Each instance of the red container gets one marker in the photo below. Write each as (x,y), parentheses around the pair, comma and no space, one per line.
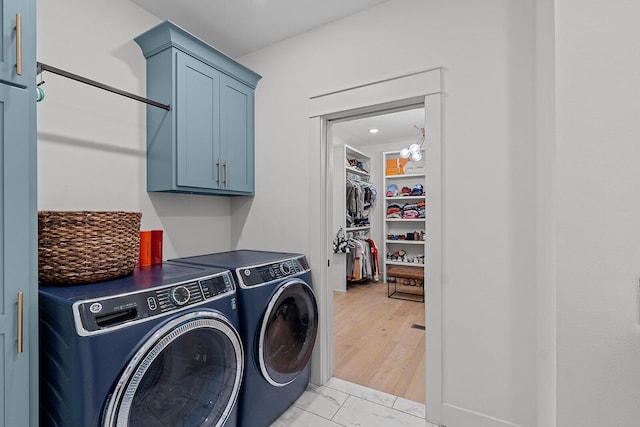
(145,249)
(156,247)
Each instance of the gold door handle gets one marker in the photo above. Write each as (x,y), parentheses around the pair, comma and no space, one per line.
(18,44)
(225,173)
(20,310)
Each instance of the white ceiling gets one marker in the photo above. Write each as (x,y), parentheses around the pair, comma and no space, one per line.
(237,27)
(398,126)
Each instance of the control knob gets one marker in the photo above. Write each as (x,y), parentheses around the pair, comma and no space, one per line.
(180,295)
(285,268)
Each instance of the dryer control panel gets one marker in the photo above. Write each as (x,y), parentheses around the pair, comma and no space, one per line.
(265,273)
(105,314)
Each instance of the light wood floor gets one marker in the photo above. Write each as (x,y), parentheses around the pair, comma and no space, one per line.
(374,343)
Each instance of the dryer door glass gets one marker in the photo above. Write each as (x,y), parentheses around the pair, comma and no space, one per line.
(188,374)
(288,333)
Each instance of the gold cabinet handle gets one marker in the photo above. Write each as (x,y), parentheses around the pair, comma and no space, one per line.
(18,44)
(20,309)
(225,173)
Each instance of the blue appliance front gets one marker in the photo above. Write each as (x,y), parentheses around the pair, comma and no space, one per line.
(278,324)
(157,348)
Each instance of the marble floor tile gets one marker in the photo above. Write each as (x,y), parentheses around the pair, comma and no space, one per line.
(359,412)
(321,400)
(410,407)
(362,392)
(297,417)
(343,404)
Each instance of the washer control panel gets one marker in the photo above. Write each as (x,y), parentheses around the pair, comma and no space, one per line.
(265,273)
(115,311)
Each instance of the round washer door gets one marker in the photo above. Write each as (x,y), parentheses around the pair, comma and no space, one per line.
(189,373)
(288,333)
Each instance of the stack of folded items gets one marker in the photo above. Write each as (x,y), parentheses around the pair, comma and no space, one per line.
(394,211)
(421,210)
(410,211)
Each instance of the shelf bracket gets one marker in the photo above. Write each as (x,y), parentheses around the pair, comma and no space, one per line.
(44,67)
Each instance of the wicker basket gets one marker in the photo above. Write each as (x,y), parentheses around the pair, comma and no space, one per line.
(86,246)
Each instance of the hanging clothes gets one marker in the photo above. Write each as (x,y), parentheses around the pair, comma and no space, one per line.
(362,260)
(374,259)
(360,195)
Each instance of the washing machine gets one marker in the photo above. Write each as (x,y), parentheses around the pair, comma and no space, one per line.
(278,326)
(160,347)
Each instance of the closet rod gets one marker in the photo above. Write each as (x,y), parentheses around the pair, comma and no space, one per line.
(44,67)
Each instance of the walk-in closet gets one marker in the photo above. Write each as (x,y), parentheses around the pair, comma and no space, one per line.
(379,251)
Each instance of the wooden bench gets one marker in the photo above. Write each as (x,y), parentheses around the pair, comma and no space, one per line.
(415,276)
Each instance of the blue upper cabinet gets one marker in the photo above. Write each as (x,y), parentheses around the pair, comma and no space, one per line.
(16,52)
(205,143)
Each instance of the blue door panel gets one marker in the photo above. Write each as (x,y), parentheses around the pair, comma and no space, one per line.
(9,9)
(198,124)
(14,263)
(237,135)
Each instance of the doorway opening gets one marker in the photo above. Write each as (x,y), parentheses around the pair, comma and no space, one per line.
(379,319)
(382,96)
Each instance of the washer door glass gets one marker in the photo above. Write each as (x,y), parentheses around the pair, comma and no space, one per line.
(288,333)
(188,375)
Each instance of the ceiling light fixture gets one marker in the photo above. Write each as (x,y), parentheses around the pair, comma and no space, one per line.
(414,152)
(374,130)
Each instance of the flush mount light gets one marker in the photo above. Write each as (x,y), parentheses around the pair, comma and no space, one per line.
(374,130)
(414,152)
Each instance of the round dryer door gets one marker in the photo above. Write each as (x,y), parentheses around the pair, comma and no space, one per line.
(288,333)
(189,373)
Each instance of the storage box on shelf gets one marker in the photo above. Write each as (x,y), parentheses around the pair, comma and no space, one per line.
(404,227)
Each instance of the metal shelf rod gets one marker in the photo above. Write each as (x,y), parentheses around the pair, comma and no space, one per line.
(44,67)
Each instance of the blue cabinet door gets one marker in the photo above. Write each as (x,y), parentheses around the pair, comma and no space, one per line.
(237,135)
(15,255)
(18,229)
(198,126)
(10,48)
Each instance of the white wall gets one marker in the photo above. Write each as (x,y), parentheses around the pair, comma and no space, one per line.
(489,237)
(91,143)
(598,207)
(546,198)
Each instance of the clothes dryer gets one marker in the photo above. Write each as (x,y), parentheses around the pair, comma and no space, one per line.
(278,325)
(159,347)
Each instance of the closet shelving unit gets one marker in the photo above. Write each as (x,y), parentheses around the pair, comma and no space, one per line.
(404,275)
(351,153)
(358,173)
